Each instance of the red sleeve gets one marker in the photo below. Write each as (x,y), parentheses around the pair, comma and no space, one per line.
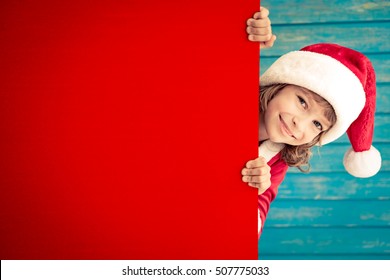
(278,171)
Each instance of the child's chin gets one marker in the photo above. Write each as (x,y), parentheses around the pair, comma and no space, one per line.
(280,139)
(291,142)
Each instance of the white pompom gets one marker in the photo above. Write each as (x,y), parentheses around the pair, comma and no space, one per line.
(362,164)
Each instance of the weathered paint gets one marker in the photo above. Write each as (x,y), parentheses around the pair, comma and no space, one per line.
(296,36)
(334,240)
(329,214)
(306,11)
(321,186)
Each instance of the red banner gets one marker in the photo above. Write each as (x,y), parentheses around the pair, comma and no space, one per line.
(124,128)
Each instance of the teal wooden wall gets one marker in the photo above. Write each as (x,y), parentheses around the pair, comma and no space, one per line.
(329,214)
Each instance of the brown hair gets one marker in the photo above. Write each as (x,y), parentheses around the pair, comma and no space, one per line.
(298,156)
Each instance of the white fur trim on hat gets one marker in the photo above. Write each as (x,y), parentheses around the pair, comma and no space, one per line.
(269,149)
(362,164)
(325,76)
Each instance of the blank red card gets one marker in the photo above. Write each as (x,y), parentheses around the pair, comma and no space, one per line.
(124,128)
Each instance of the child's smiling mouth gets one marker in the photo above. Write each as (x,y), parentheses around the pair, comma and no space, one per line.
(285,129)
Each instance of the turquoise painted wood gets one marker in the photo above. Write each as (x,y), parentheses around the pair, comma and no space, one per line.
(312,256)
(322,186)
(296,36)
(306,11)
(383,97)
(364,240)
(382,128)
(329,214)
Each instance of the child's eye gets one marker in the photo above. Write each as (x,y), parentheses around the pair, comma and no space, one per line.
(302,101)
(318,125)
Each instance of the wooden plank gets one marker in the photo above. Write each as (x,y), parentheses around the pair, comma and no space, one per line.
(334,186)
(308,11)
(329,158)
(383,97)
(381,63)
(381,129)
(330,241)
(370,37)
(329,213)
(356,256)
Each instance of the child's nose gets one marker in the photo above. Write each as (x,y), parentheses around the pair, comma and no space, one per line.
(299,124)
(296,122)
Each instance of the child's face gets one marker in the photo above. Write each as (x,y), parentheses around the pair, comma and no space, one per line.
(293,117)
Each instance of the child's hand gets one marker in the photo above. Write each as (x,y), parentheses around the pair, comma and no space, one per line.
(257,173)
(259,29)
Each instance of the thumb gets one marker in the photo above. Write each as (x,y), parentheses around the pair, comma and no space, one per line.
(269,43)
(262,190)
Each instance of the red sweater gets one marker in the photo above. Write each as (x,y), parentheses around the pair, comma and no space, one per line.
(278,171)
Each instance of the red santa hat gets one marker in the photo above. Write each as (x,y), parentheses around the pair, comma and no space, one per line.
(346,79)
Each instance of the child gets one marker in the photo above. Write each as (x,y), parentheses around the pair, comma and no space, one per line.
(310,97)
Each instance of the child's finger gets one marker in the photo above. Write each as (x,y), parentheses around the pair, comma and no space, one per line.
(258,23)
(258,162)
(256,179)
(250,171)
(269,43)
(259,31)
(251,179)
(263,13)
(255,171)
(262,187)
(260,184)
(259,38)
